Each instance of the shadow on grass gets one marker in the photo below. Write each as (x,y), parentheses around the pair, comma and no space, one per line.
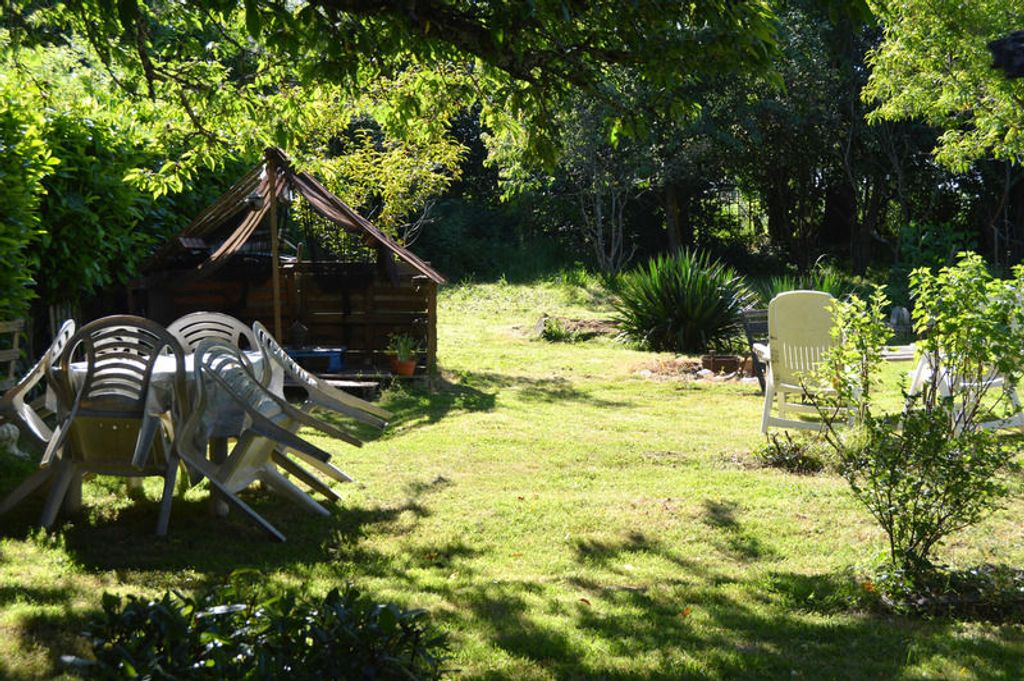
(121,538)
(731,538)
(662,627)
(601,622)
(606,553)
(539,389)
(468,392)
(58,633)
(699,624)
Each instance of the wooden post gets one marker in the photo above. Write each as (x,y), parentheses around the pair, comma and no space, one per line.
(431,328)
(274,259)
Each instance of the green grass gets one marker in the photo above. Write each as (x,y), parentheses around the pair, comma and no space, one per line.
(560,515)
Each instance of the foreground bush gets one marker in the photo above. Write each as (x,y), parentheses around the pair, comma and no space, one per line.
(231,633)
(933,469)
(685,303)
(923,482)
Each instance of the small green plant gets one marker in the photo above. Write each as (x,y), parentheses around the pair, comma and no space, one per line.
(822,278)
(802,455)
(233,632)
(556,331)
(403,346)
(684,303)
(922,482)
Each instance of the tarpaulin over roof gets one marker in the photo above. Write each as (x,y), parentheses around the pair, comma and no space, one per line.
(235,202)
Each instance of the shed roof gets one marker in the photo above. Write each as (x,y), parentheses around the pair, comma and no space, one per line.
(235,204)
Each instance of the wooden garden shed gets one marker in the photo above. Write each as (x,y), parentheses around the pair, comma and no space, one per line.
(278,247)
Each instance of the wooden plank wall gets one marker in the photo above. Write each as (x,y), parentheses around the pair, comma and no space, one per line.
(362,323)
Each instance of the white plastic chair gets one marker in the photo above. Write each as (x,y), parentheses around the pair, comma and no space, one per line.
(108,424)
(195,327)
(319,393)
(929,368)
(266,432)
(13,404)
(799,334)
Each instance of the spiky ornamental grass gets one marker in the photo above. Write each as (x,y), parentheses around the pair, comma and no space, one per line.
(687,303)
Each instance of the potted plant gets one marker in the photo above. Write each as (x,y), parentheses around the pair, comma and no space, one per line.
(404,349)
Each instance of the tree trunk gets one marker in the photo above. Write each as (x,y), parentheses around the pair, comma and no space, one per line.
(678,226)
(860,243)
(838,222)
(779,230)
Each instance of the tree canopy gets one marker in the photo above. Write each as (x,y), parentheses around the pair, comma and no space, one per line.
(934,64)
(518,60)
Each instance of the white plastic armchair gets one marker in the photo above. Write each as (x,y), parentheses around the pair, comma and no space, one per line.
(195,327)
(267,428)
(965,394)
(319,393)
(13,404)
(107,422)
(799,334)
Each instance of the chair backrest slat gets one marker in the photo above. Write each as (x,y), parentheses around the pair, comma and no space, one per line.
(281,363)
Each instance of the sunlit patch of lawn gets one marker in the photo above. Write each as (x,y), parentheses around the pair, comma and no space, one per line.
(560,514)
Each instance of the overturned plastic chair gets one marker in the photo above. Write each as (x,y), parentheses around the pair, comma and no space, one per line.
(196,327)
(319,393)
(263,429)
(799,334)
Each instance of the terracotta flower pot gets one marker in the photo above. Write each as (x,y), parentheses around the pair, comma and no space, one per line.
(721,363)
(403,368)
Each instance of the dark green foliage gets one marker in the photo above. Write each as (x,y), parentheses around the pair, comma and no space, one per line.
(925,245)
(91,216)
(923,480)
(232,632)
(686,303)
(987,592)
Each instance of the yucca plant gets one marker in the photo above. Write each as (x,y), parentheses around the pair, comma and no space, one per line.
(688,302)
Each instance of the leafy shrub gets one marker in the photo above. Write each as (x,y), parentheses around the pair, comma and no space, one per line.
(231,633)
(24,162)
(686,303)
(923,482)
(933,469)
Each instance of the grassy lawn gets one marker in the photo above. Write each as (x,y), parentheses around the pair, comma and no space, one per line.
(560,514)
